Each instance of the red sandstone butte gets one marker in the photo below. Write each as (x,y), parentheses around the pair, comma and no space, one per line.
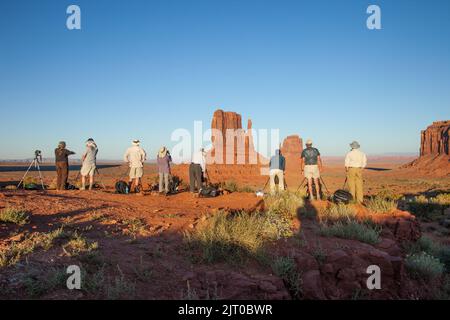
(434,150)
(291,149)
(227,125)
(434,140)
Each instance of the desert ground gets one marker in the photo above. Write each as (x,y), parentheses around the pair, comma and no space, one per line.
(150,246)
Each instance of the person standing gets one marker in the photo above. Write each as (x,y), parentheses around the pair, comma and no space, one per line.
(277,166)
(311,165)
(355,162)
(197,169)
(89,164)
(62,165)
(135,156)
(163,160)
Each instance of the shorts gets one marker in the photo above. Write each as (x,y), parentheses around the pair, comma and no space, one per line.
(312,171)
(88,170)
(136,172)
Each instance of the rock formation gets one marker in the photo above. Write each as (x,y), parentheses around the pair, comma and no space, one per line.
(434,140)
(292,149)
(231,143)
(434,150)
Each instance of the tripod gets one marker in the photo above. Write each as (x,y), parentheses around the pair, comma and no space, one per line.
(35,162)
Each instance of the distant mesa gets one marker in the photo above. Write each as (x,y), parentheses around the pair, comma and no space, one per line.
(434,150)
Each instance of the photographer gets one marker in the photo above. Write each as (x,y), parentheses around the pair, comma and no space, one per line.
(62,165)
(164,159)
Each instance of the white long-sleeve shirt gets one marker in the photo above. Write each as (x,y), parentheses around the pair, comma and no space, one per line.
(356,159)
(136,156)
(199,158)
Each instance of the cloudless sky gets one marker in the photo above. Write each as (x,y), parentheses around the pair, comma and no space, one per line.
(145,68)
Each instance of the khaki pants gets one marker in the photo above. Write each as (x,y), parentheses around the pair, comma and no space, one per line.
(276,173)
(164,182)
(355,183)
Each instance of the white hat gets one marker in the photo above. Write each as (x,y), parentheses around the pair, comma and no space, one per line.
(309,142)
(136,142)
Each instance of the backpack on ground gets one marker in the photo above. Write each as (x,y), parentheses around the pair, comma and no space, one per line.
(174,184)
(209,192)
(122,187)
(342,196)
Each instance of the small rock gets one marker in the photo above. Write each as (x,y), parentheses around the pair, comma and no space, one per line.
(312,285)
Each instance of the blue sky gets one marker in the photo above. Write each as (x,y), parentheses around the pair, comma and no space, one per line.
(144,68)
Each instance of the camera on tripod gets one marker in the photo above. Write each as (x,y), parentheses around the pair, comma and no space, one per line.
(38,155)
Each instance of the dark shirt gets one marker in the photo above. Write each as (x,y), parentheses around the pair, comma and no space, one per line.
(62,155)
(277,162)
(310,155)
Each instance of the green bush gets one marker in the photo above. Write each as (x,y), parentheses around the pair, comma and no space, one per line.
(352,230)
(423,265)
(14,215)
(435,249)
(286,269)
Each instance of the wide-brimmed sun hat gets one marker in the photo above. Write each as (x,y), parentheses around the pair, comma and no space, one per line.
(162,152)
(355,145)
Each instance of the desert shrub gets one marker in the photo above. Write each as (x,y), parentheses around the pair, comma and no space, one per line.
(16,251)
(134,227)
(14,215)
(337,212)
(352,230)
(234,238)
(121,288)
(425,209)
(286,269)
(319,254)
(78,245)
(247,189)
(38,282)
(285,203)
(381,204)
(435,249)
(230,186)
(442,199)
(276,226)
(423,265)
(388,194)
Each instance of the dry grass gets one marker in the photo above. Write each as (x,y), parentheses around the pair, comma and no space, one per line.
(16,251)
(234,238)
(380,204)
(285,203)
(78,245)
(14,215)
(337,212)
